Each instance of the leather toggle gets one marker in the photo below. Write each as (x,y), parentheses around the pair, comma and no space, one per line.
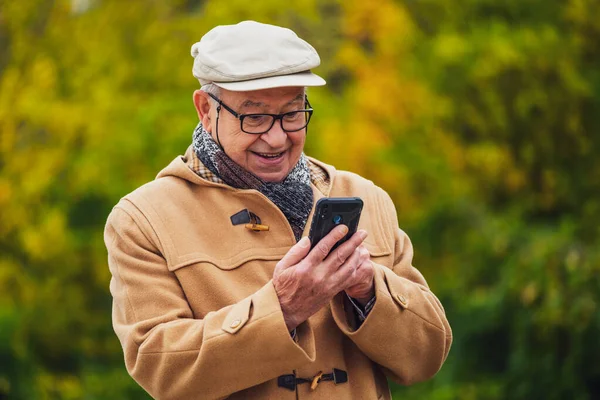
(249,219)
(290,381)
(287,381)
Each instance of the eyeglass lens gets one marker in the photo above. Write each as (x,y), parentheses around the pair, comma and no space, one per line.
(261,123)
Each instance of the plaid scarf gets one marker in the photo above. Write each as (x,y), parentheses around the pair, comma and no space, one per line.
(293,196)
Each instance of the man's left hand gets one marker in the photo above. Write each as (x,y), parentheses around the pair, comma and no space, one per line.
(360,285)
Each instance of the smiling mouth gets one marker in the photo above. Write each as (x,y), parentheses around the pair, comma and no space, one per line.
(269,155)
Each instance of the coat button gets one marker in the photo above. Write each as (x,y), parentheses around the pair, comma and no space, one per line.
(402,300)
(235,323)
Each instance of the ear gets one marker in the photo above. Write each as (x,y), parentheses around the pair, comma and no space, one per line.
(202,104)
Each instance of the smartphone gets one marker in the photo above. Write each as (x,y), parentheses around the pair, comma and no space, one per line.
(331,212)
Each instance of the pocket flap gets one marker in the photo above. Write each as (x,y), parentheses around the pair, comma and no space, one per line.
(266,254)
(376,250)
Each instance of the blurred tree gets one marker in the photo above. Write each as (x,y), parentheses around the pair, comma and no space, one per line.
(517,99)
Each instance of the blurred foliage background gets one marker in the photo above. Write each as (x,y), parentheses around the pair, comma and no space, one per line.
(480,117)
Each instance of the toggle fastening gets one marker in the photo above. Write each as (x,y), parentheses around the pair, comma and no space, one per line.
(291,381)
(316,380)
(249,219)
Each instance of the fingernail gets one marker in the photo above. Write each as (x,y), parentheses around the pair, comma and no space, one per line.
(304,242)
(363,234)
(344,229)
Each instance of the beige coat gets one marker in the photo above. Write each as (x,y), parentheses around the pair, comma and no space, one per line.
(198,317)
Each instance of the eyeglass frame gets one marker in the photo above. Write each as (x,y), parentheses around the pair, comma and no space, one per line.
(276,117)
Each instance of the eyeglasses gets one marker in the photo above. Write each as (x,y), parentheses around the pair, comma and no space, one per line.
(256,124)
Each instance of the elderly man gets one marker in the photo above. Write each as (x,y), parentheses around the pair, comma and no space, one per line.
(217,293)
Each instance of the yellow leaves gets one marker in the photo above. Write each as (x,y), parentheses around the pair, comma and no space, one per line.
(515,180)
(583,12)
(379,35)
(9,87)
(42,76)
(382,26)
(445,143)
(397,181)
(495,166)
(45,240)
(69,386)
(234,11)
(381,94)
(501,53)
(450,48)
(489,159)
(6,196)
(351,56)
(346,156)
(391,97)
(529,294)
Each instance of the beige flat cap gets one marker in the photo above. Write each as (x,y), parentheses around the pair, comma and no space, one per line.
(254,56)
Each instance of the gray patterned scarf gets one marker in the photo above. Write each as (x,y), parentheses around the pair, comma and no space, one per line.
(293,196)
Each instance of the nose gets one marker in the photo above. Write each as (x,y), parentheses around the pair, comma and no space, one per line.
(275,137)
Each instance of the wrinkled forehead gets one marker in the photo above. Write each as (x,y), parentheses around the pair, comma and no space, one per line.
(265,98)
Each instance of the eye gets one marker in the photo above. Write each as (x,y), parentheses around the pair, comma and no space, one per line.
(256,119)
(292,116)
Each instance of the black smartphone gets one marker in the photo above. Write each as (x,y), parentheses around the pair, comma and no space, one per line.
(333,211)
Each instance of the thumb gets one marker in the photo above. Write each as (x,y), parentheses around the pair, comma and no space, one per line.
(295,254)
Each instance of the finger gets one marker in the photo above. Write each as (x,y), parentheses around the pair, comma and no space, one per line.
(322,249)
(345,250)
(347,270)
(355,240)
(364,265)
(364,253)
(295,254)
(363,268)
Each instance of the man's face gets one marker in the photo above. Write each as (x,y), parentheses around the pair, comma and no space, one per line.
(272,155)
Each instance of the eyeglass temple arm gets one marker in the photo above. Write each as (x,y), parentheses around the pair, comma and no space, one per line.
(225,106)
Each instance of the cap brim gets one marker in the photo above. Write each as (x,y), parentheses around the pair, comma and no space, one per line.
(305,78)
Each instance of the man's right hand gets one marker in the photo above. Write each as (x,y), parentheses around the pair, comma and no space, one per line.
(306,280)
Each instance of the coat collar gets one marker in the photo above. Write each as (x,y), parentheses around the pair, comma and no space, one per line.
(179,168)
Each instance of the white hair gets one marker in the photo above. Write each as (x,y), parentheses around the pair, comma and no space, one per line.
(212,89)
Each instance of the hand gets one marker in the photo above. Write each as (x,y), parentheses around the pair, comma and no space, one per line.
(307,280)
(361,286)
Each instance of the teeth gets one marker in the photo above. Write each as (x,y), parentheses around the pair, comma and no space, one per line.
(269,155)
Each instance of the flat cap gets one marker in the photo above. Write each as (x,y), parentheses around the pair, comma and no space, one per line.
(253,56)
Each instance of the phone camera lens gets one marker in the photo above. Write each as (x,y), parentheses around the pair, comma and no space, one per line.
(337,219)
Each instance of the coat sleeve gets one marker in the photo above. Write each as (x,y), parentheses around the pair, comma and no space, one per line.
(174,355)
(406,332)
